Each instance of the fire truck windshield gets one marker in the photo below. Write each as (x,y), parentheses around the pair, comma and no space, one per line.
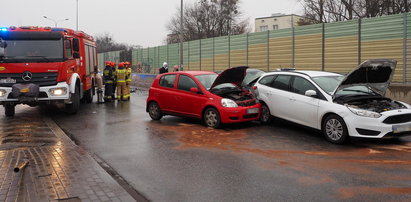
(33,50)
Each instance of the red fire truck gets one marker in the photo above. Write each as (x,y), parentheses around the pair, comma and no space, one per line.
(43,65)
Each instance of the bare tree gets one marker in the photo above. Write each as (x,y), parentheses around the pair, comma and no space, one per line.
(206,19)
(314,10)
(318,11)
(105,43)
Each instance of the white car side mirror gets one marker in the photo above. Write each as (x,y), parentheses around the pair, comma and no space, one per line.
(311,93)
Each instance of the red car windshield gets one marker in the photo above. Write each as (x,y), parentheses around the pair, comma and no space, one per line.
(207,80)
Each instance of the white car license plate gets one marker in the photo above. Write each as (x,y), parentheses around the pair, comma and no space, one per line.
(401,128)
(252,111)
(7,80)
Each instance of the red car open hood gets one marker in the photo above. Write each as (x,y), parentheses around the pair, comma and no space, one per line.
(234,75)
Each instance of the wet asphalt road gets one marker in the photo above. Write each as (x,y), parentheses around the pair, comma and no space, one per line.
(178,159)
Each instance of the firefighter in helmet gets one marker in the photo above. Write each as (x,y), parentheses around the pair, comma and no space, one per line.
(108,76)
(121,74)
(128,79)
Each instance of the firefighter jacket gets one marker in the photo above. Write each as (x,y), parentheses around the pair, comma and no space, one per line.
(128,76)
(121,74)
(108,75)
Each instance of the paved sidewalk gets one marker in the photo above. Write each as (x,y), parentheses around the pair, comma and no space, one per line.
(58,170)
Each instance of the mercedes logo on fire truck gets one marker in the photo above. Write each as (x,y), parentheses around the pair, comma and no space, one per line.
(27,76)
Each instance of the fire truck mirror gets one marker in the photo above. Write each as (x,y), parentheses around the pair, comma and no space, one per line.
(76,45)
(76,55)
(3,44)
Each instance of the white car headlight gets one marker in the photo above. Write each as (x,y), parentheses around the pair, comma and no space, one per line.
(365,113)
(228,103)
(58,91)
(2,93)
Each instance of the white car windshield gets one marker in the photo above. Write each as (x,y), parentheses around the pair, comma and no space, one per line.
(356,90)
(328,83)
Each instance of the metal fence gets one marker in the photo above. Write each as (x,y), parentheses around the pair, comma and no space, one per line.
(336,47)
(108,56)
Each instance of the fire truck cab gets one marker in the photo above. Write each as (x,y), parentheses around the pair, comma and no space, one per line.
(43,65)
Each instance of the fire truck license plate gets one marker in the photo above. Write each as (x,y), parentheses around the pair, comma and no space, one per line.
(7,80)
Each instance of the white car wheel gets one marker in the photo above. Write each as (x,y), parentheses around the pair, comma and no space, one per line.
(265,116)
(335,130)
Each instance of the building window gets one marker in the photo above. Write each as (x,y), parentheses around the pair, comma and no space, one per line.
(275,27)
(263,28)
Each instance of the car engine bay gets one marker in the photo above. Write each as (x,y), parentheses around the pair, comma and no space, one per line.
(375,104)
(241,97)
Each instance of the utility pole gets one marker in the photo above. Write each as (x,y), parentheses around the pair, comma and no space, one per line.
(181,36)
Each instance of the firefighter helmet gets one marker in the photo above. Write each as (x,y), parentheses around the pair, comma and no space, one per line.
(121,64)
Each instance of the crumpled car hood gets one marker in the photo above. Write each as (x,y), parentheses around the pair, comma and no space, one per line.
(376,74)
(234,75)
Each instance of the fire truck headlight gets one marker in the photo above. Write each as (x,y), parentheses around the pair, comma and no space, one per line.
(2,93)
(58,91)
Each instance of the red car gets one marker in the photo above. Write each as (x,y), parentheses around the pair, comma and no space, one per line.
(216,99)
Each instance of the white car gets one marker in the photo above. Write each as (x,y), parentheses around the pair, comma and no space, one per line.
(341,106)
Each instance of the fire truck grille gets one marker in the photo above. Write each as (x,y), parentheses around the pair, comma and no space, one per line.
(41,79)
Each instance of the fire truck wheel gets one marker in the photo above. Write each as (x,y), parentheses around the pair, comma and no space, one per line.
(75,105)
(9,110)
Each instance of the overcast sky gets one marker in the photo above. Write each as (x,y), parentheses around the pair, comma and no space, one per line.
(136,22)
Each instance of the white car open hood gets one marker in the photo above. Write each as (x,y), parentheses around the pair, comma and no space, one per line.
(376,74)
(234,75)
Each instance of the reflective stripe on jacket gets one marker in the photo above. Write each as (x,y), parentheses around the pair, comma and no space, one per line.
(121,75)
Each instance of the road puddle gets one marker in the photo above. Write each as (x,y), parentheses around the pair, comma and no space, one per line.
(209,138)
(351,192)
(308,164)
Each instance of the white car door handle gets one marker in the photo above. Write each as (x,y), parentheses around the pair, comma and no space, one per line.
(292,99)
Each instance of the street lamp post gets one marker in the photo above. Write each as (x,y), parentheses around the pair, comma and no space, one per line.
(76,15)
(55,21)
